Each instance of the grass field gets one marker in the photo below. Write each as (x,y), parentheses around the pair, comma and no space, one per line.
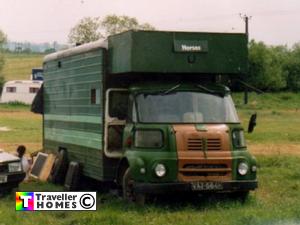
(278,119)
(275,142)
(23,127)
(277,201)
(18,66)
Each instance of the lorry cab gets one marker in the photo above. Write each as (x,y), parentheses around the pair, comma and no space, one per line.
(179,137)
(148,110)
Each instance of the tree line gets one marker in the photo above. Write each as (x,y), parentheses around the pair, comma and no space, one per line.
(274,68)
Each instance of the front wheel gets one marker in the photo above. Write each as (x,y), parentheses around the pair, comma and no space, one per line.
(240,195)
(128,193)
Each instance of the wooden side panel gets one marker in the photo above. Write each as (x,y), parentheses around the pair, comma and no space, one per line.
(73,109)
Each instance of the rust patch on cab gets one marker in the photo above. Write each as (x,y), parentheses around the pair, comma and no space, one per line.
(203,154)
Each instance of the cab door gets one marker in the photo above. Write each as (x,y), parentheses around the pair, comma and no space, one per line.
(116,113)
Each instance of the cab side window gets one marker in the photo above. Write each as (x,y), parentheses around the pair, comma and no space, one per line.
(118,104)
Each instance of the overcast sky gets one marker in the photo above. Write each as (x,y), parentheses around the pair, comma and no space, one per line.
(273,21)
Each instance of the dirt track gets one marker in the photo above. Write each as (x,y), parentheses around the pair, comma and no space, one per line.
(275,149)
(11,147)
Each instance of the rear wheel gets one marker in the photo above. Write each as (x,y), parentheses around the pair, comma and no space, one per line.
(128,193)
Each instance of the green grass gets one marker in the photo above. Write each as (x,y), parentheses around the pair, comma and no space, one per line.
(14,107)
(277,117)
(24,127)
(18,66)
(279,127)
(268,101)
(20,129)
(277,201)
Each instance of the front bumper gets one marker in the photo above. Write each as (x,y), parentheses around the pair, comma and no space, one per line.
(13,180)
(224,186)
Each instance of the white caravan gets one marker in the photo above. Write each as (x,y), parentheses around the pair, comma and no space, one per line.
(20,91)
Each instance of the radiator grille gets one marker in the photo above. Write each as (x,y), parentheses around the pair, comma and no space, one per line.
(198,144)
(195,144)
(213,144)
(205,170)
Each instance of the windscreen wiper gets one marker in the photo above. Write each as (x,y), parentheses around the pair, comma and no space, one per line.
(221,94)
(171,89)
(162,92)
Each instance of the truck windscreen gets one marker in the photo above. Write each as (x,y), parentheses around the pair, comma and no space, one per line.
(185,107)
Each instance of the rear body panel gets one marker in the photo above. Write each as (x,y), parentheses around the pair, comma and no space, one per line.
(71,120)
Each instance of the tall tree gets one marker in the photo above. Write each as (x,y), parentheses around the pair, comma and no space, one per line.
(87,30)
(91,29)
(113,24)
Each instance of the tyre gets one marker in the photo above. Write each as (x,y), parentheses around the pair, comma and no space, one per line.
(127,188)
(240,195)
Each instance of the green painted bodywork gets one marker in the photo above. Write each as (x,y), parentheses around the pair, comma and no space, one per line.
(241,155)
(158,52)
(70,120)
(147,158)
(74,123)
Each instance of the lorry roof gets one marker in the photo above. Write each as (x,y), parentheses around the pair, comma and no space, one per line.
(104,44)
(158,51)
(177,31)
(77,50)
(192,52)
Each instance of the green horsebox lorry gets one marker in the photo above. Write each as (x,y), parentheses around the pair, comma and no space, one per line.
(145,109)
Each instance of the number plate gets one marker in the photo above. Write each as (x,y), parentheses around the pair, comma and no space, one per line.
(206,186)
(3,179)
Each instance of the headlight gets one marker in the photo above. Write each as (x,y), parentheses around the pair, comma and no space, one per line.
(243,168)
(148,139)
(14,167)
(238,138)
(160,170)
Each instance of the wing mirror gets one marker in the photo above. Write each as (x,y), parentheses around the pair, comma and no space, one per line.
(252,123)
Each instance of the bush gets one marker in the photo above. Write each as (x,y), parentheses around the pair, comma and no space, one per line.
(274,68)
(266,70)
